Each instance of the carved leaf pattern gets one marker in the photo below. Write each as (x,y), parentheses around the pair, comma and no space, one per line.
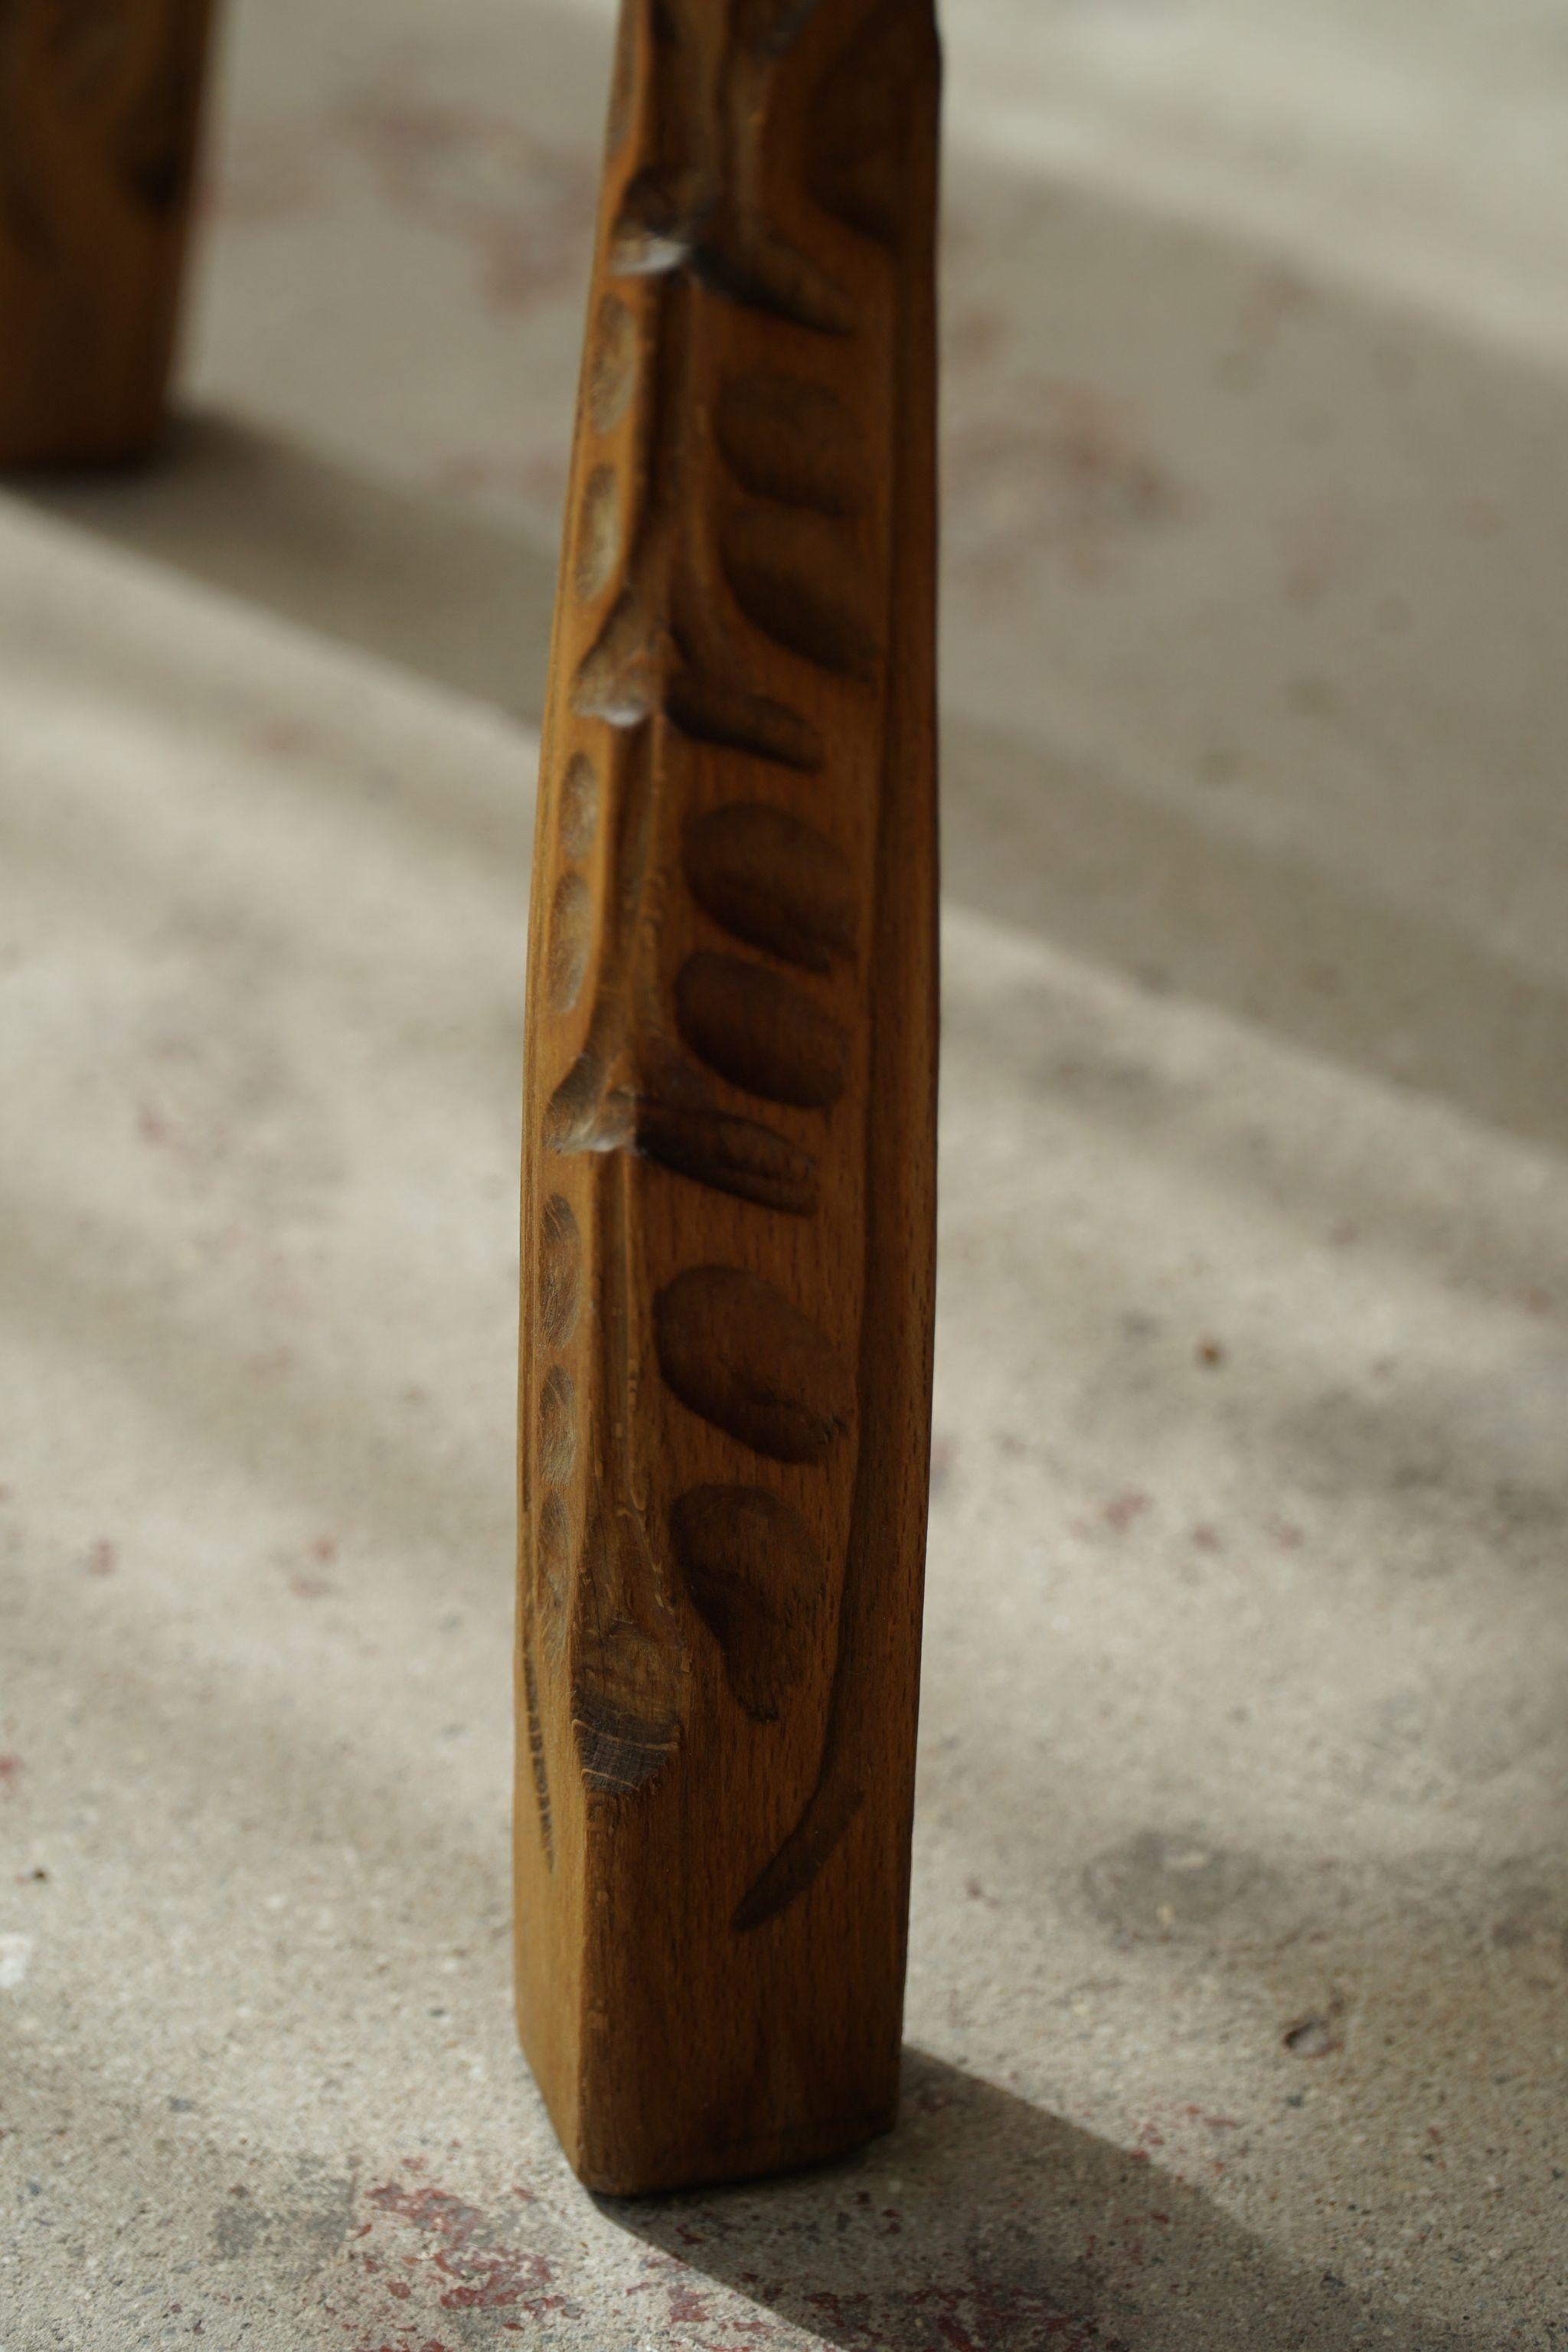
(777,558)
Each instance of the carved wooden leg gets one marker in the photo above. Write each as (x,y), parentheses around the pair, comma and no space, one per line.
(99,106)
(728,1165)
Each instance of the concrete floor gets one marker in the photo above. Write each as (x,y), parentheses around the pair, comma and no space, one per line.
(1238,1998)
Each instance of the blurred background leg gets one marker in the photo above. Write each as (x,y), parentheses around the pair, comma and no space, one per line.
(100,102)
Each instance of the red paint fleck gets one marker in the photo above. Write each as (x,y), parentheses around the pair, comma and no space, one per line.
(1122,1510)
(486,2273)
(1205,1538)
(978,2315)
(1210,1352)
(283,738)
(103,1560)
(9,1768)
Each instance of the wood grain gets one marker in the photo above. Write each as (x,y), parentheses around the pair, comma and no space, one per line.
(728,1197)
(99,101)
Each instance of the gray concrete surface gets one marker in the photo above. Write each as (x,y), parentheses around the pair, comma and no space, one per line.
(1238,2001)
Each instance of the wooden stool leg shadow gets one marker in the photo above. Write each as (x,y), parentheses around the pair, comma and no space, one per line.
(100,102)
(727,1194)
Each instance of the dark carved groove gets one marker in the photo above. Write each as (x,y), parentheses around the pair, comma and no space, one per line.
(571,931)
(554,1540)
(756,1577)
(560,1270)
(772,881)
(791,441)
(612,368)
(537,1764)
(733,1155)
(558,1426)
(598,533)
(831,1806)
(710,710)
(739,1353)
(759,1030)
(795,577)
(767,275)
(579,819)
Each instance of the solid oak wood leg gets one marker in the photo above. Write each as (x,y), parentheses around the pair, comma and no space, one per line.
(99,109)
(728,1200)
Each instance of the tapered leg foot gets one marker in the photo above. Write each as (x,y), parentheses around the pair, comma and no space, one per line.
(728,1212)
(99,101)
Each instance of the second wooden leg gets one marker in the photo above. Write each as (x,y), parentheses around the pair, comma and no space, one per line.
(100,103)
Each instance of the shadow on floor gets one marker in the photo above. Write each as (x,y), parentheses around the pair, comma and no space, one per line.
(985,2224)
(1033,835)
(419,582)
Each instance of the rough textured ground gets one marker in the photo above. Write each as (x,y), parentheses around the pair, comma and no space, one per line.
(1238,2003)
